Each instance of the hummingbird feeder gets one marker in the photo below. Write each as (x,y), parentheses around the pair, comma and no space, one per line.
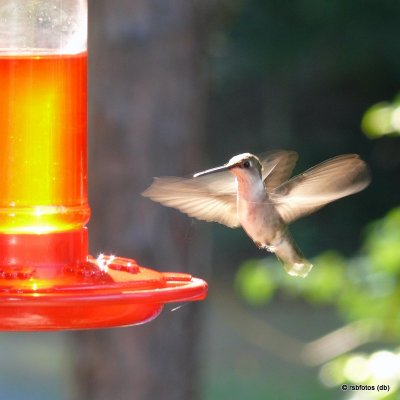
(48,281)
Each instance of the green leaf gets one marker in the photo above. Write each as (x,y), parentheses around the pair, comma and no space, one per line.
(255,282)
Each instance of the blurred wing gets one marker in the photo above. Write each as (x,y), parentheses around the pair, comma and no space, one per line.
(210,198)
(277,167)
(331,180)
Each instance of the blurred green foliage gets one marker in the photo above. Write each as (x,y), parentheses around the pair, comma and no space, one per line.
(380,367)
(255,283)
(363,289)
(363,286)
(382,119)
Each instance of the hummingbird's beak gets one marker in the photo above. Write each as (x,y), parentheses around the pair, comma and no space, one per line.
(224,167)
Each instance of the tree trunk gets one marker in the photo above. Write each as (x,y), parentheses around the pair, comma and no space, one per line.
(147,103)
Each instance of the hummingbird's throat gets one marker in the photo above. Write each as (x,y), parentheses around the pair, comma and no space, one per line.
(250,189)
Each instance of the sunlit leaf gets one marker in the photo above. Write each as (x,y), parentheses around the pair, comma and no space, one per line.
(381,367)
(377,120)
(327,278)
(382,243)
(382,119)
(255,283)
(331,374)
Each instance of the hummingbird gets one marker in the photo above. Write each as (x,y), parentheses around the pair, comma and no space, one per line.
(258,194)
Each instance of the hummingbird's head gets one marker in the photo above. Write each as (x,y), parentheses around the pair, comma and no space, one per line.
(246,167)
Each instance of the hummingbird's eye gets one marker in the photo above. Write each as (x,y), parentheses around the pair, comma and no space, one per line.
(246,164)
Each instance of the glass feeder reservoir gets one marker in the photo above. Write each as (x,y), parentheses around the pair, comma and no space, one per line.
(47,279)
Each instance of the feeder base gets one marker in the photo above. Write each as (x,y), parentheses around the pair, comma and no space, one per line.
(101,293)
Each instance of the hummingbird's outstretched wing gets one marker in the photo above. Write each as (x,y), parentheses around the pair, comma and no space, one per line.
(331,180)
(210,198)
(277,167)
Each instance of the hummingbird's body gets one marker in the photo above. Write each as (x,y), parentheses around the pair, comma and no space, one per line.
(258,222)
(256,194)
(257,214)
(268,231)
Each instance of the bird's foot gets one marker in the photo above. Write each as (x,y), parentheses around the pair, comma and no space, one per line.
(263,246)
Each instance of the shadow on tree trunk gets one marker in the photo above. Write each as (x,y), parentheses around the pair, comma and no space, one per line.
(147,105)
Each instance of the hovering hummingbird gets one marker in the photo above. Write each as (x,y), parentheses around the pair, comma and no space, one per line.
(257,194)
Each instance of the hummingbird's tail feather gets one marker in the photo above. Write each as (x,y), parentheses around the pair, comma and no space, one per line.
(300,269)
(292,259)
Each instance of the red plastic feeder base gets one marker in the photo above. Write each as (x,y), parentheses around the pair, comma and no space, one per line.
(98,293)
